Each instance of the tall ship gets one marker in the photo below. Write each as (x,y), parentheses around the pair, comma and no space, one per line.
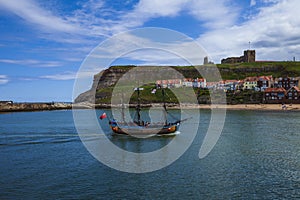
(141,128)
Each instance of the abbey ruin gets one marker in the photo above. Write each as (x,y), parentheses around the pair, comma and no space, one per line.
(249,56)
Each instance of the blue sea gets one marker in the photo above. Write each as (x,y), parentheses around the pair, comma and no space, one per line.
(256,157)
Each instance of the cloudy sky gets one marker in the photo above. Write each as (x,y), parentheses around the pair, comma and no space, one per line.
(44,42)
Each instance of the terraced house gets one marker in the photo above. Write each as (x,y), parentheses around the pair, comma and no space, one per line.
(286,82)
(274,95)
(293,94)
(264,82)
(250,83)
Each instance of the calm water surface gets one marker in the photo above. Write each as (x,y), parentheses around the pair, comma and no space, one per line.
(256,157)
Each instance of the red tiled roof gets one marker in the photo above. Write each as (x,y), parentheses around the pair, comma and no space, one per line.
(268,78)
(200,80)
(188,80)
(254,78)
(295,87)
(275,90)
(231,81)
(211,83)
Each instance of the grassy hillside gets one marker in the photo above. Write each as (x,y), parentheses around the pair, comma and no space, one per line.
(228,71)
(240,70)
(243,70)
(201,95)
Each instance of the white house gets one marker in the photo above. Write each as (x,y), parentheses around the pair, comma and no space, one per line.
(187,82)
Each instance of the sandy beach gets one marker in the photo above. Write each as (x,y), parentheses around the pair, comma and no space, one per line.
(262,107)
(59,106)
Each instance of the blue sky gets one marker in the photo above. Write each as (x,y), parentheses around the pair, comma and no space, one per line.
(44,42)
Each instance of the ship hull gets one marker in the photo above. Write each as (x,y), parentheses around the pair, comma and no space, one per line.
(144,130)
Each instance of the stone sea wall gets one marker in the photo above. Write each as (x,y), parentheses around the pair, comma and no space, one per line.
(18,107)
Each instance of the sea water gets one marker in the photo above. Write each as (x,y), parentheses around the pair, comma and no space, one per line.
(256,157)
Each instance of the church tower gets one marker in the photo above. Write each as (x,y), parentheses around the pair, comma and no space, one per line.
(249,56)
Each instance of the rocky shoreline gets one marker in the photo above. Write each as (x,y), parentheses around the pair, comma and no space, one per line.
(23,107)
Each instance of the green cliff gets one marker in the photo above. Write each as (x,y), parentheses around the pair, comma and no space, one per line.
(105,81)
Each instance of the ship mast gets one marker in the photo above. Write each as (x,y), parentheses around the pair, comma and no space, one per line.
(123,107)
(138,107)
(165,107)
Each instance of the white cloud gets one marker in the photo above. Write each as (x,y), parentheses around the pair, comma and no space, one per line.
(94,18)
(274,28)
(3,79)
(253,3)
(145,10)
(30,11)
(32,63)
(60,77)
(274,32)
(270,1)
(149,45)
(69,75)
(27,79)
(213,13)
(156,56)
(158,8)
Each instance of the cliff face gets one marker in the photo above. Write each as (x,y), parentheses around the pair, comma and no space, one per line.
(109,77)
(104,79)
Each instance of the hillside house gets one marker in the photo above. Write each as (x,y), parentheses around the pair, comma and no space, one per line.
(239,85)
(187,82)
(293,95)
(264,82)
(275,95)
(212,85)
(286,82)
(199,83)
(161,84)
(250,83)
(171,83)
(231,85)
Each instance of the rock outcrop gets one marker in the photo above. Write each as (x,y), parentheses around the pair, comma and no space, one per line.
(104,79)
(15,107)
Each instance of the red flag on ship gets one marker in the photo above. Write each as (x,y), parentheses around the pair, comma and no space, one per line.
(103,116)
